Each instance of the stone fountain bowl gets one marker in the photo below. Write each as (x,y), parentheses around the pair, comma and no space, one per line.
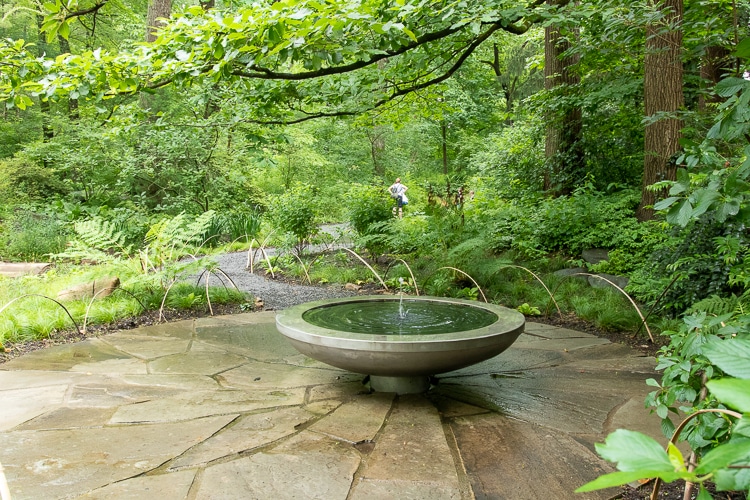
(398,355)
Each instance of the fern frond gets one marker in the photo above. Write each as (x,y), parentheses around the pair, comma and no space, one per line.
(101,235)
(716,305)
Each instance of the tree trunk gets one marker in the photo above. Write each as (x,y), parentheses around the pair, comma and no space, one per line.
(156,9)
(444,148)
(376,137)
(562,145)
(72,103)
(714,62)
(662,94)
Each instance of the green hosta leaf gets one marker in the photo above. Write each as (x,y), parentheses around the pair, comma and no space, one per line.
(634,451)
(722,456)
(732,392)
(731,355)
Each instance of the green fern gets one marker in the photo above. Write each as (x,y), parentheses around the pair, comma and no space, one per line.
(172,238)
(716,305)
(97,240)
(101,235)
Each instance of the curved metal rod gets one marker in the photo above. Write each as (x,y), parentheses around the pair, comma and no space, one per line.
(220,270)
(551,296)
(118,289)
(208,298)
(164,300)
(678,430)
(368,266)
(653,307)
(626,295)
(304,269)
(413,279)
(465,274)
(45,297)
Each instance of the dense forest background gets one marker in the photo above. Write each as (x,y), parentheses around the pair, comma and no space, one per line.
(550,126)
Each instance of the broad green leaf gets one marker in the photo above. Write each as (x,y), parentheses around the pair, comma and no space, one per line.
(680,213)
(742,429)
(732,479)
(733,392)
(652,382)
(675,457)
(730,86)
(52,7)
(731,355)
(704,200)
(64,30)
(729,208)
(620,478)
(634,451)
(724,455)
(665,203)
(703,494)
(743,49)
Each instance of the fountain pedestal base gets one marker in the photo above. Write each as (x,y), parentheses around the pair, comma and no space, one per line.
(400,385)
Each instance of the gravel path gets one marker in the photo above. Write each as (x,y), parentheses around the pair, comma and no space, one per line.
(278,294)
(274,294)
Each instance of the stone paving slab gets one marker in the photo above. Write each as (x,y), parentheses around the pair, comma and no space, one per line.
(224,407)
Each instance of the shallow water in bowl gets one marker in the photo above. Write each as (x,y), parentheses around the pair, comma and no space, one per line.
(394,317)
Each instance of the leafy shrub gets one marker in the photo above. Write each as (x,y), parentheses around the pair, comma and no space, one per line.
(31,235)
(22,179)
(689,266)
(586,219)
(367,206)
(295,212)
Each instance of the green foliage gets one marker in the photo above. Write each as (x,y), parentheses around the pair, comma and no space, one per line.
(726,454)
(25,180)
(368,205)
(295,212)
(511,161)
(242,225)
(30,234)
(528,310)
(587,219)
(174,237)
(689,265)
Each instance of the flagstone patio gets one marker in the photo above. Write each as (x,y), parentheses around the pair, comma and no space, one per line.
(223,407)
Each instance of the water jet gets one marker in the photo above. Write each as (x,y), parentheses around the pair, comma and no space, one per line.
(371,335)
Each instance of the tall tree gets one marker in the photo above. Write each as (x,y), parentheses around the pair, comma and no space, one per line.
(663,98)
(157,9)
(562,145)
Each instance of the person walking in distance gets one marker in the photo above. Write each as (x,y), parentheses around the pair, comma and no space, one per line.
(398,191)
